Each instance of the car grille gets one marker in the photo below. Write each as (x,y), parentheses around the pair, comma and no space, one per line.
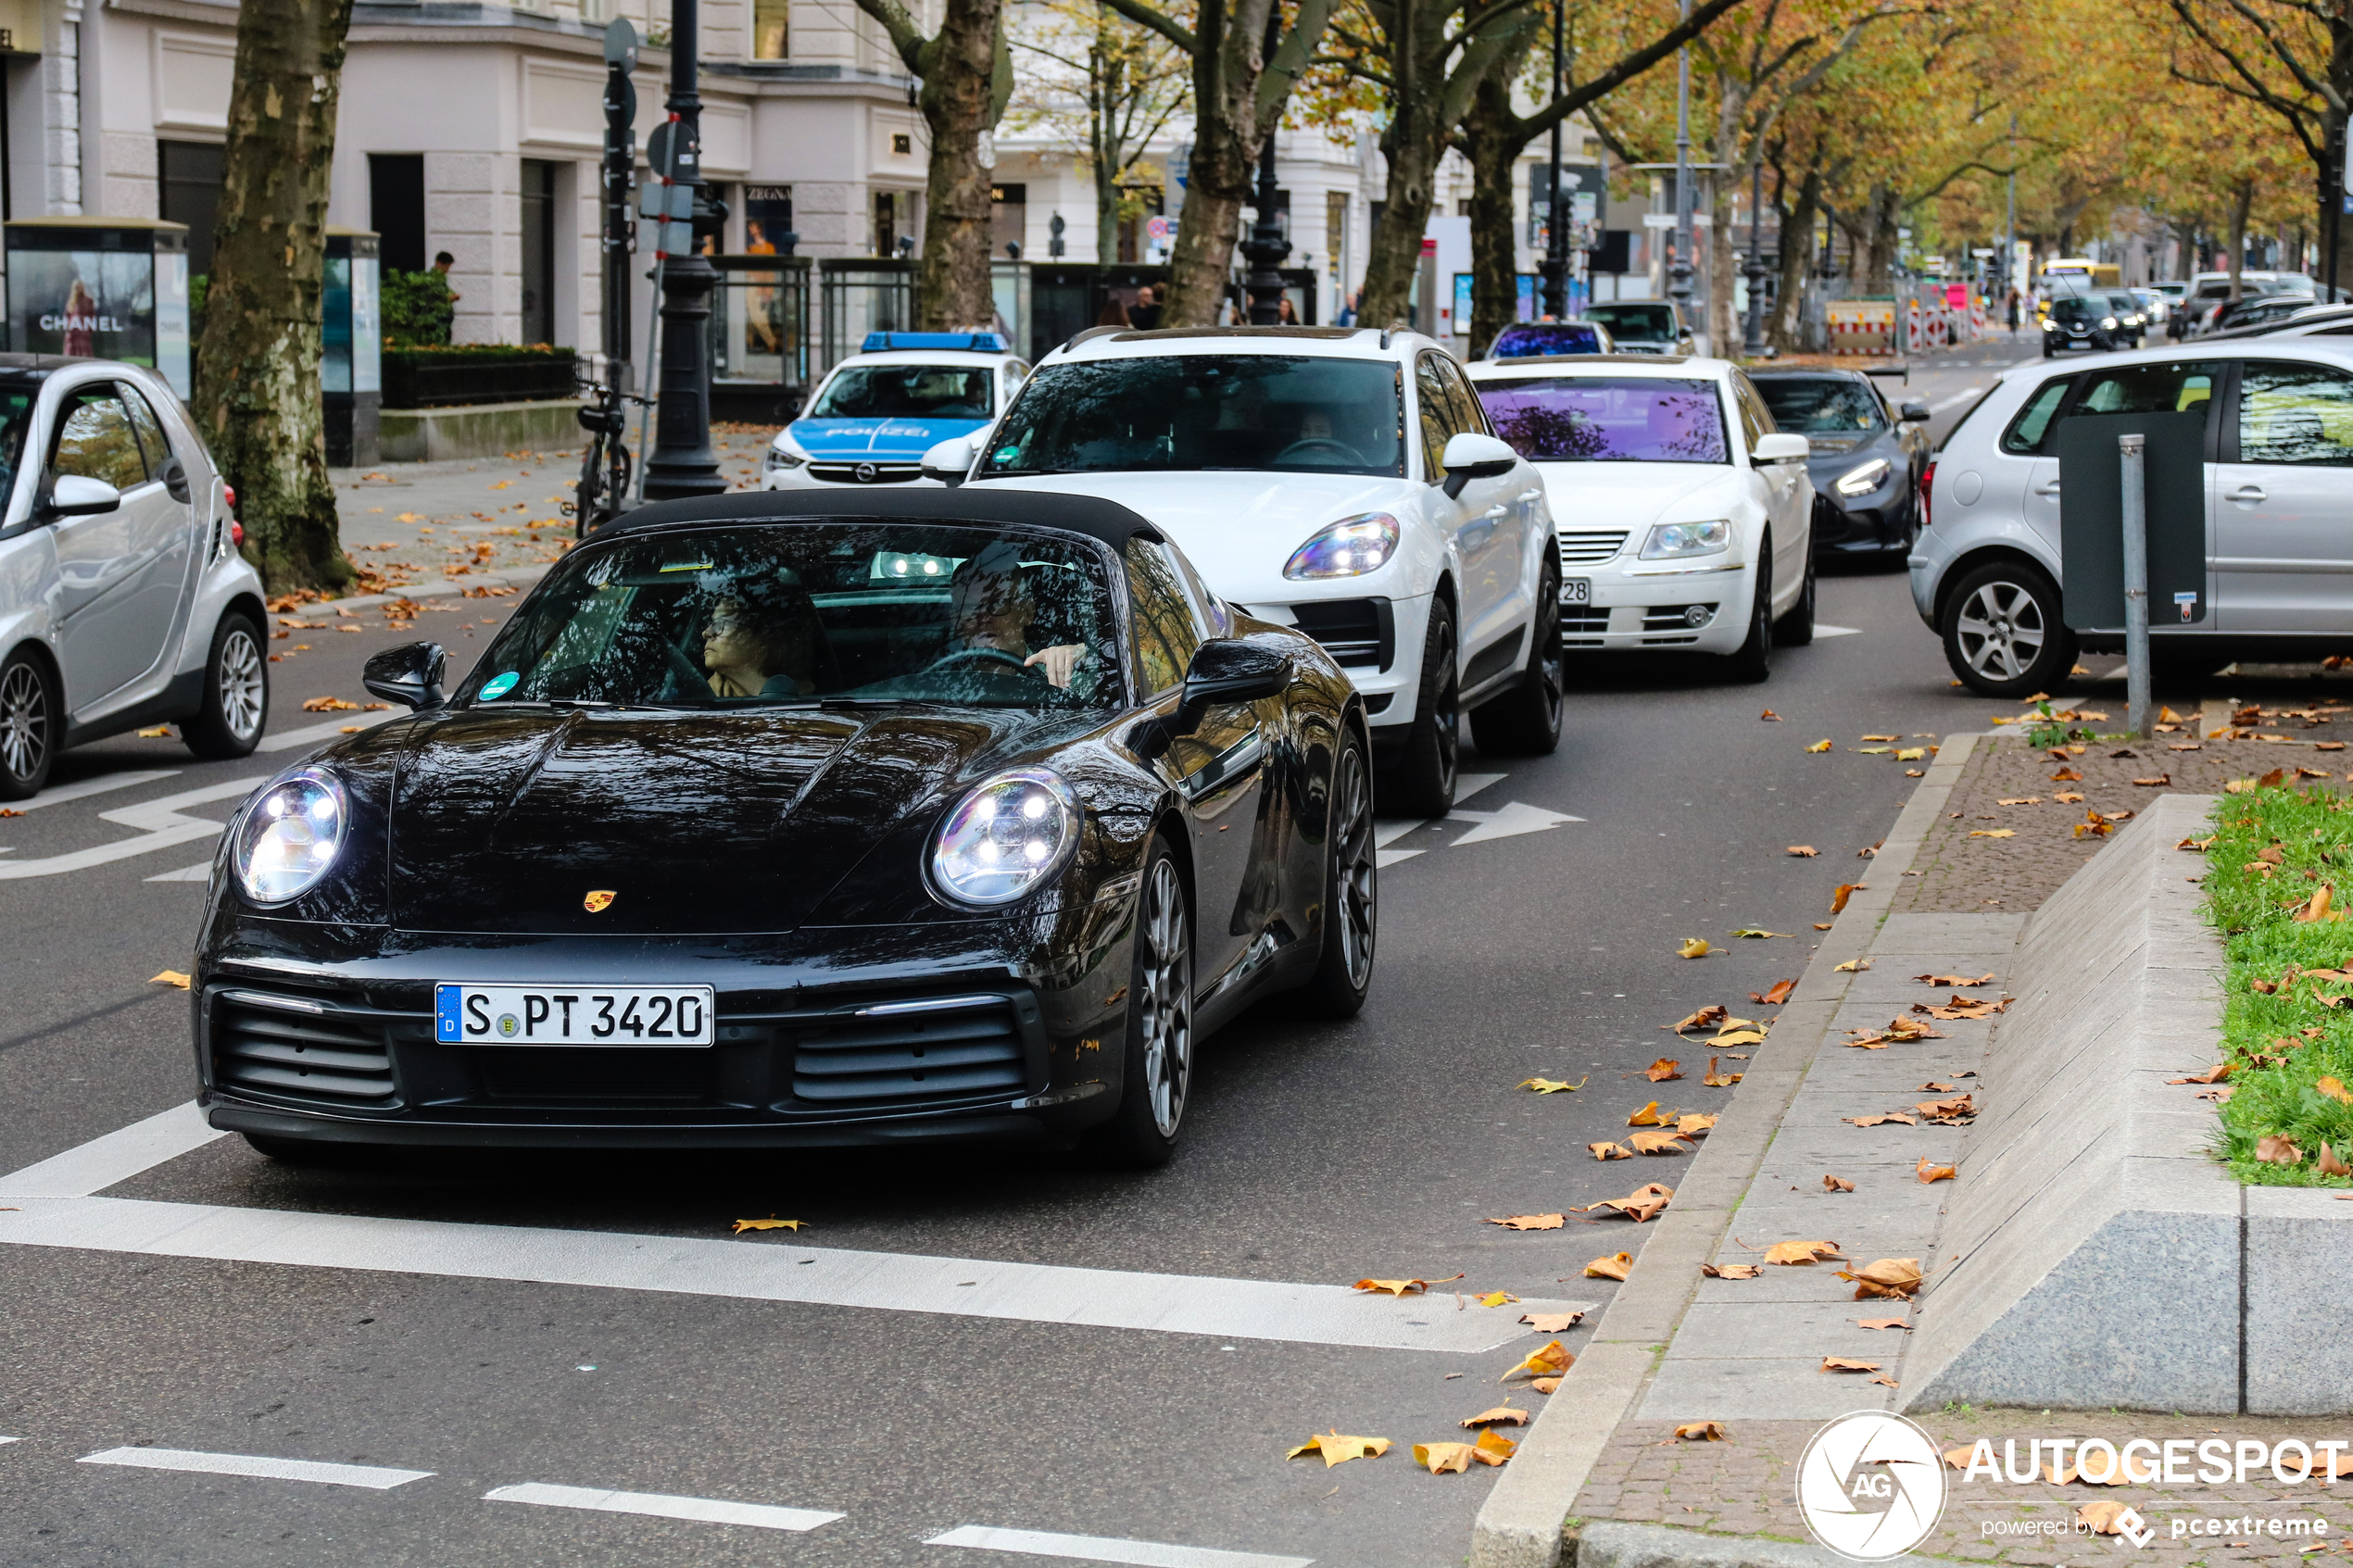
(889,1053)
(1354,632)
(1589,549)
(302,1047)
(883,473)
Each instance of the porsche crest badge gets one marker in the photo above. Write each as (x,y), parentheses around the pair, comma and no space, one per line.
(597,903)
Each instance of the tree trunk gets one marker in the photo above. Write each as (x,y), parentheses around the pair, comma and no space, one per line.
(2240,203)
(1797,263)
(1226,138)
(1492,145)
(1879,250)
(961,66)
(1101,99)
(257,389)
(1395,253)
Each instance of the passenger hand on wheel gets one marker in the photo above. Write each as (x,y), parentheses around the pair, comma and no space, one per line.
(1058,662)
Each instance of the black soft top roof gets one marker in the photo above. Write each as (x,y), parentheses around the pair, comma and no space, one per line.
(1089,515)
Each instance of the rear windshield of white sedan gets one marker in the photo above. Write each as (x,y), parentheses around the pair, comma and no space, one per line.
(1204,412)
(1609,418)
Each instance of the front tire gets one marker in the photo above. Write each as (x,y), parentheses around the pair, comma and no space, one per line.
(1526,721)
(1795,629)
(1753,661)
(31,723)
(1351,889)
(236,694)
(1157,1070)
(2003,633)
(1421,781)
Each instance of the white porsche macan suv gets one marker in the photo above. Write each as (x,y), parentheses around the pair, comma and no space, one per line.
(1342,480)
(1685,518)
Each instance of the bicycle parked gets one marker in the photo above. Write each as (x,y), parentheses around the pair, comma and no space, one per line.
(603,494)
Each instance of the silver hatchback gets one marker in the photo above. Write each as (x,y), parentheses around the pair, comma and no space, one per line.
(2278,492)
(123,599)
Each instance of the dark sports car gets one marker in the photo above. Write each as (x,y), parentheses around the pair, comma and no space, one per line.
(781,819)
(1867,459)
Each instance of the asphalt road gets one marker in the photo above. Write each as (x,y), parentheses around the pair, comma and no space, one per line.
(1317,1154)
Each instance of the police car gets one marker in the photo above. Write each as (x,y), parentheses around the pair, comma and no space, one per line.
(878,411)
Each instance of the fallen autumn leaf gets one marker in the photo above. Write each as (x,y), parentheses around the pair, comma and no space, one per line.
(1836,1184)
(1336,1449)
(171,977)
(1693,948)
(1666,1070)
(1701,1431)
(1530,1221)
(770,1224)
(1400,1286)
(1612,1267)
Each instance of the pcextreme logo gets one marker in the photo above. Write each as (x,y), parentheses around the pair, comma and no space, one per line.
(1871,1485)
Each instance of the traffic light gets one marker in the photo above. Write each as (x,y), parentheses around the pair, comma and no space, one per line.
(1054,244)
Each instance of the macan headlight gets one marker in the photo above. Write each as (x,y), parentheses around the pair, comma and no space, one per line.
(1350,547)
(290,836)
(1006,837)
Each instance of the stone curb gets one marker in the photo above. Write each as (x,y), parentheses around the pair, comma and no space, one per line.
(1521,1524)
(1610,1543)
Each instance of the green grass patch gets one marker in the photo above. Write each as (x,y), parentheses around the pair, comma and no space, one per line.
(2283,1032)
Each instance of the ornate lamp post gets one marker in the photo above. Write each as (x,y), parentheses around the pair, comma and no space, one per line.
(1265,248)
(682,462)
(1756,271)
(1555,227)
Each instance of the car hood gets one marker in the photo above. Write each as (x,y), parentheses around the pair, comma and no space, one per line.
(889,440)
(1591,496)
(504,821)
(1239,529)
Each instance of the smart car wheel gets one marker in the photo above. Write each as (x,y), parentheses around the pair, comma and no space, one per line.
(1526,721)
(1421,781)
(1753,661)
(1352,898)
(30,726)
(236,693)
(2004,635)
(1158,1064)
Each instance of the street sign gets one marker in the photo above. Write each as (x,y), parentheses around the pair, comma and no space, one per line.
(2092,519)
(1180,162)
(1156,229)
(621,42)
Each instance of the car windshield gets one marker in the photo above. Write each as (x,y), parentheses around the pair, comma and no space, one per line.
(1609,418)
(913,392)
(1820,404)
(1195,413)
(2078,308)
(759,614)
(1546,337)
(1648,322)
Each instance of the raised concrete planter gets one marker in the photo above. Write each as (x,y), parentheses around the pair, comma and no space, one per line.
(484,429)
(2096,1255)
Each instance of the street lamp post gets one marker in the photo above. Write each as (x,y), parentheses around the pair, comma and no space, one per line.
(682,463)
(1755,270)
(1555,228)
(1679,275)
(1265,248)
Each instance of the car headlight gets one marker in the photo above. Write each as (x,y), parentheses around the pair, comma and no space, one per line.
(1006,837)
(1669,540)
(1863,480)
(1350,547)
(783,454)
(290,836)
(2108,322)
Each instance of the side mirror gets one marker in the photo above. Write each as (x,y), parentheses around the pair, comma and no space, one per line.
(1780,449)
(409,674)
(1225,671)
(951,462)
(1913,410)
(1472,456)
(76,494)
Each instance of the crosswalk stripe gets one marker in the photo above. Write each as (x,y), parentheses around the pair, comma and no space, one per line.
(705,1510)
(1107,1549)
(115,1156)
(375,1478)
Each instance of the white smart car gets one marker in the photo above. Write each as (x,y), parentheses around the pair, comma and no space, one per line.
(878,412)
(1685,519)
(1340,480)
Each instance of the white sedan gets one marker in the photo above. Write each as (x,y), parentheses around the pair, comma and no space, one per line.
(1685,519)
(1340,480)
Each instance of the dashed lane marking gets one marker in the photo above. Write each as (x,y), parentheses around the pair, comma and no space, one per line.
(166,826)
(1955,401)
(374,1478)
(1822,629)
(706,1511)
(200,872)
(100,785)
(1106,1548)
(319,734)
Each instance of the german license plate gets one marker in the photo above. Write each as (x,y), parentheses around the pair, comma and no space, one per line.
(1577,590)
(572,1015)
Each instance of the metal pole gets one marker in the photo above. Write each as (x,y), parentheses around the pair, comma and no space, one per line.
(1753,339)
(1266,248)
(1679,284)
(1555,231)
(2010,233)
(682,463)
(2131,456)
(620,158)
(2336,205)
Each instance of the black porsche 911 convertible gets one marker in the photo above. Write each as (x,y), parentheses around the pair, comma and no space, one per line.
(773,820)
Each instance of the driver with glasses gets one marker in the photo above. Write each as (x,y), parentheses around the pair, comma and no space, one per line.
(993,609)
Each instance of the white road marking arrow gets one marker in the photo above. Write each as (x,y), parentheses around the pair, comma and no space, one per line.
(1512,820)
(164,822)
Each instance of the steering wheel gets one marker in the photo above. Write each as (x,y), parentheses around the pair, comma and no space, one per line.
(685,669)
(997,655)
(1309,446)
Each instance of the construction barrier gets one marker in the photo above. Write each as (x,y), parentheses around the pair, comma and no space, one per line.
(1861,326)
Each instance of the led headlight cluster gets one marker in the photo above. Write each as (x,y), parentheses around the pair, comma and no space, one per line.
(1670,541)
(1350,547)
(290,836)
(1862,480)
(783,454)
(1006,837)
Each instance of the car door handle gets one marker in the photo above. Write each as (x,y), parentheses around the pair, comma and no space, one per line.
(1496,511)
(1531,494)
(2248,492)
(2050,489)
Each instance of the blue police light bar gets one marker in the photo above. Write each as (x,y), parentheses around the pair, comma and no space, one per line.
(978,343)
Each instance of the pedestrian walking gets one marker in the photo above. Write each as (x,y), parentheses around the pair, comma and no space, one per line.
(1144,315)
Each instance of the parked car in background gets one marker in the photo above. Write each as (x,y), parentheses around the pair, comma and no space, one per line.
(2257,314)
(1685,518)
(2312,321)
(1867,458)
(1986,573)
(878,412)
(124,600)
(1525,338)
(1645,326)
(1341,480)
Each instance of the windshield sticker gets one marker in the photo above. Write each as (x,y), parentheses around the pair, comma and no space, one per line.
(498,685)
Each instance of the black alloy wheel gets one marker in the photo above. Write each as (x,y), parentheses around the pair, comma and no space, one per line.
(1157,1061)
(30,726)
(236,694)
(1753,661)
(2003,634)
(1421,781)
(1526,721)
(1352,888)
(1795,629)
